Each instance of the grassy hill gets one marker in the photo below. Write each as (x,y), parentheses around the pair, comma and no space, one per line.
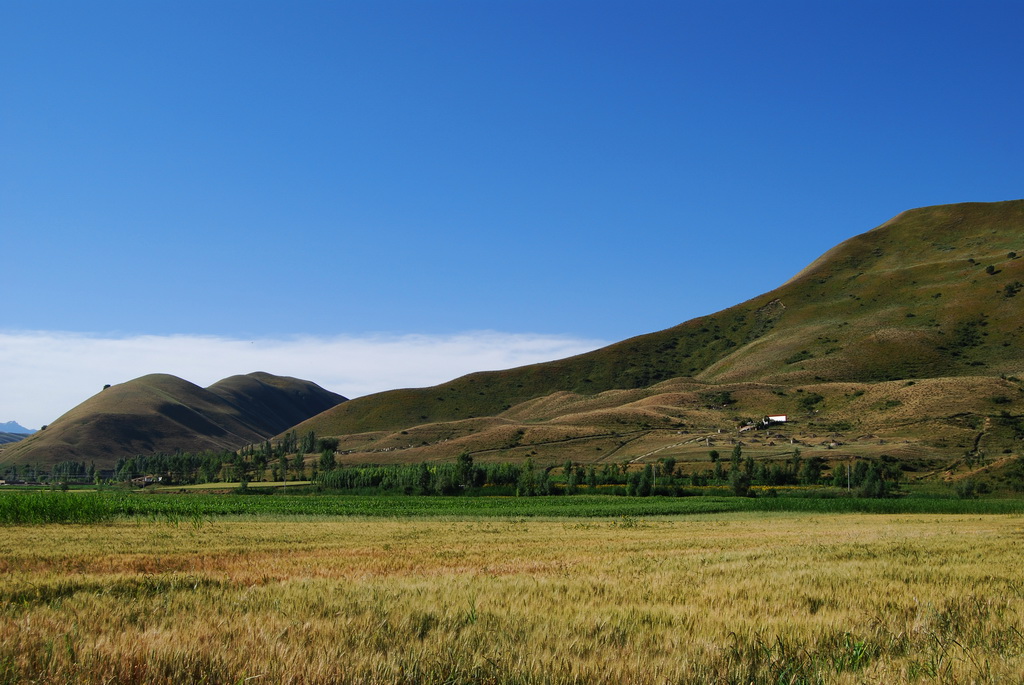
(163,413)
(912,329)
(901,343)
(6,438)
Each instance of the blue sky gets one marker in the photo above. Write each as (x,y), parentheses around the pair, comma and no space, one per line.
(360,172)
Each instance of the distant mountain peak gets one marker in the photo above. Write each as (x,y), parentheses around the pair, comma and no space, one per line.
(15,427)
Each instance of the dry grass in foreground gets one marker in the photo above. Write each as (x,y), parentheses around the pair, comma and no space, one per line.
(738,598)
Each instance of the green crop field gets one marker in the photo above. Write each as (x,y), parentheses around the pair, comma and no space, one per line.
(93,507)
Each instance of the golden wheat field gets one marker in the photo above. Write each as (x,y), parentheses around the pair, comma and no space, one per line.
(732,598)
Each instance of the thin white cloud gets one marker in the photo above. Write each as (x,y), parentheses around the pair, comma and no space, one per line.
(44,374)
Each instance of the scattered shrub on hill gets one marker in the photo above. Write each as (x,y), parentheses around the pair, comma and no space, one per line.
(717,400)
(810,401)
(965,336)
(798,357)
(516,439)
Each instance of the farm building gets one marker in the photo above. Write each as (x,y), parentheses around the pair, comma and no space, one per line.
(769,420)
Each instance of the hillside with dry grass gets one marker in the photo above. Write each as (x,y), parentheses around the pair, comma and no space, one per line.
(903,342)
(6,438)
(906,338)
(163,413)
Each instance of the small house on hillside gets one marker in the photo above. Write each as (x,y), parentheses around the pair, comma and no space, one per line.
(778,418)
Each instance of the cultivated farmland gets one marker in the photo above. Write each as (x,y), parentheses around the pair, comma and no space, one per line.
(734,597)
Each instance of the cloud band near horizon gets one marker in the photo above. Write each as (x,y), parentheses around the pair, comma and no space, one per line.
(45,373)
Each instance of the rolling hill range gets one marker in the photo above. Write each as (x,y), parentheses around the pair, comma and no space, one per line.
(912,329)
(6,437)
(163,413)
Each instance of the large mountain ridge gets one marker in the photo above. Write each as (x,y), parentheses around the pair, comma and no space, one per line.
(928,294)
(908,334)
(902,342)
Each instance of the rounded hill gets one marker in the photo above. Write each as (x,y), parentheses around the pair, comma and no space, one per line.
(164,413)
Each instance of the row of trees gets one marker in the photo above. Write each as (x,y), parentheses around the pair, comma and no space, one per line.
(183,468)
(288,460)
(65,471)
(661,478)
(870,478)
(281,461)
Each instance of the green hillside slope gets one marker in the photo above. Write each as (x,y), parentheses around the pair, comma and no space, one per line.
(932,293)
